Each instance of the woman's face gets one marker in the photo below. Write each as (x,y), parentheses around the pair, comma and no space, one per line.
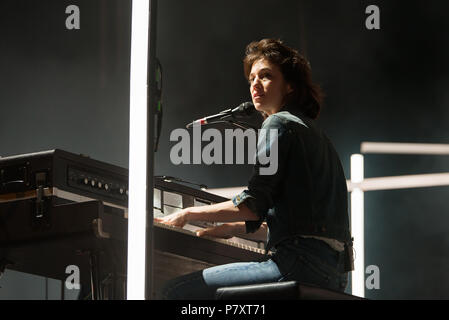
(267,86)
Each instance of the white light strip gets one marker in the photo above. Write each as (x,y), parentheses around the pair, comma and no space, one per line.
(402,182)
(357,232)
(357,226)
(404,148)
(137,151)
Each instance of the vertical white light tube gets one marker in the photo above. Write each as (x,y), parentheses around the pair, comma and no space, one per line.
(357,225)
(137,151)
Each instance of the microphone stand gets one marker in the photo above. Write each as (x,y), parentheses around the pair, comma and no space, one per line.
(232,121)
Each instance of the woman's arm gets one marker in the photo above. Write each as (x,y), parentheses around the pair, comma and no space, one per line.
(219,212)
(235,229)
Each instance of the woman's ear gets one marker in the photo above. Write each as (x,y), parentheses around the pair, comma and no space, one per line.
(289,88)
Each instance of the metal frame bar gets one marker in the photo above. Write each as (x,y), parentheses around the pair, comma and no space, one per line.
(358,186)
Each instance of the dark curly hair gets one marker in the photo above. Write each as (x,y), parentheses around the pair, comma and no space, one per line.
(307,97)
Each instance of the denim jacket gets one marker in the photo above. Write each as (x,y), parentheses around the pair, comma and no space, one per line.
(307,195)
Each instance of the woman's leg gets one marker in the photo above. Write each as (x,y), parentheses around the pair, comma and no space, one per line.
(203,284)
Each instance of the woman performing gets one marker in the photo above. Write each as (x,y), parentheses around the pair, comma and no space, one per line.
(301,209)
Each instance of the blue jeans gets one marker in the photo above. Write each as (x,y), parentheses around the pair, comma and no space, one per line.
(312,261)
(308,261)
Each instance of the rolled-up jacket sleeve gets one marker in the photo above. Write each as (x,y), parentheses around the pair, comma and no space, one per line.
(263,188)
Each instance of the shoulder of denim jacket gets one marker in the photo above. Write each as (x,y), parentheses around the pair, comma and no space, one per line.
(286,117)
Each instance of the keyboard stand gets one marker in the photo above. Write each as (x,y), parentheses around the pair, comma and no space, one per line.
(69,235)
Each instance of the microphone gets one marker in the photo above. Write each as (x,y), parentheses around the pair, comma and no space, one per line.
(245,109)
